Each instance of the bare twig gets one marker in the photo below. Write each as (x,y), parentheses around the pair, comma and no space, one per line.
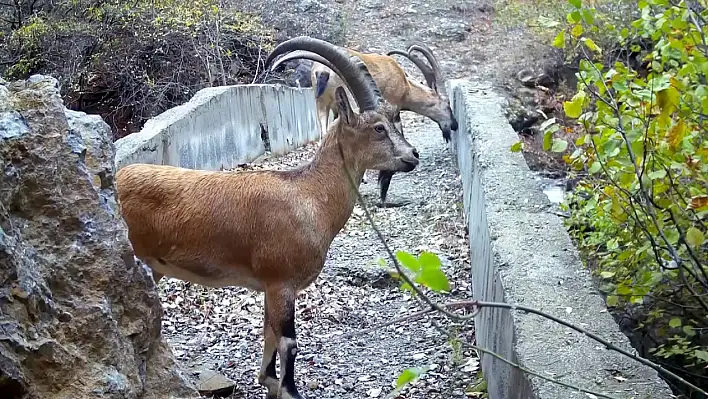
(258,65)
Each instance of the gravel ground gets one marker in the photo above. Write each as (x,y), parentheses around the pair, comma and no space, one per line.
(222,328)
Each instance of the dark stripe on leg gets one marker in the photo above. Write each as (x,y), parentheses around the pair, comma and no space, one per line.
(287,328)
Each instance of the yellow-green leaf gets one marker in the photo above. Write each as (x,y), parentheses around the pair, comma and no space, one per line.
(668,100)
(429,260)
(657,174)
(573,108)
(408,261)
(559,40)
(547,140)
(595,167)
(434,279)
(676,134)
(607,274)
(577,30)
(516,147)
(591,45)
(675,322)
(559,145)
(588,16)
(612,300)
(694,237)
(408,375)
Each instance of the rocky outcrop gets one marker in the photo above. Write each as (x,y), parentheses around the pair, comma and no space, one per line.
(322,19)
(78,317)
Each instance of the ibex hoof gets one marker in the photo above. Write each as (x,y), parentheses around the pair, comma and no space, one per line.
(392,204)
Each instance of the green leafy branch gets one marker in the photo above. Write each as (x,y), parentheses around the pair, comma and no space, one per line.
(641,206)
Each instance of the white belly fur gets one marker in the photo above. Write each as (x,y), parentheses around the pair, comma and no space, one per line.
(219,277)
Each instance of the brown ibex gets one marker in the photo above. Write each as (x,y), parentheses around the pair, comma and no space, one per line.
(268,231)
(396,87)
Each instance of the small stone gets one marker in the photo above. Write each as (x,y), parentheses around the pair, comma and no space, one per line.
(210,383)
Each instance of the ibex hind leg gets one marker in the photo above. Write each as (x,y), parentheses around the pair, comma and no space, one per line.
(267,376)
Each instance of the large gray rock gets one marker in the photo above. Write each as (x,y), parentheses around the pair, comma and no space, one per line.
(78,317)
(317,18)
(321,19)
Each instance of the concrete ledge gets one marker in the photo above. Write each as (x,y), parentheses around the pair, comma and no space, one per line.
(221,127)
(521,253)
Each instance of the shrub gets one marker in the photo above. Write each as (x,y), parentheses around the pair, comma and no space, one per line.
(640,209)
(129,61)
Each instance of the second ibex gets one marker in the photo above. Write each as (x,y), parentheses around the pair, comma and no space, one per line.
(399,89)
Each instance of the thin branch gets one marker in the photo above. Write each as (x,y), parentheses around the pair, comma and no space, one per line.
(258,65)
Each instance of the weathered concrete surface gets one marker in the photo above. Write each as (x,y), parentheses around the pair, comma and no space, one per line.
(221,127)
(522,254)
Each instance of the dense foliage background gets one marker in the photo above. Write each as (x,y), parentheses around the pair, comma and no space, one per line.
(130,60)
(634,134)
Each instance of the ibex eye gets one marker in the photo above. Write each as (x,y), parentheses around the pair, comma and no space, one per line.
(380,128)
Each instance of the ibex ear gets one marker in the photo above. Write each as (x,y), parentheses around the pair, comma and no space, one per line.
(345,109)
(397,121)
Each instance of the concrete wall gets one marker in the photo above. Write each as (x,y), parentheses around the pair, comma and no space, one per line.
(521,253)
(221,127)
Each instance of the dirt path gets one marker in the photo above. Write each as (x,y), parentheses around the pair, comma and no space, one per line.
(221,328)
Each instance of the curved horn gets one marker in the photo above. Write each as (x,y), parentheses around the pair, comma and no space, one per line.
(351,69)
(428,73)
(308,55)
(428,53)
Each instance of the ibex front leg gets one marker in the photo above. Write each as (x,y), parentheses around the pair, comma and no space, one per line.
(384,181)
(386,175)
(280,308)
(267,376)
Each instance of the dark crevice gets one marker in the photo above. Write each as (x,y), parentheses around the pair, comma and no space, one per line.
(264,137)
